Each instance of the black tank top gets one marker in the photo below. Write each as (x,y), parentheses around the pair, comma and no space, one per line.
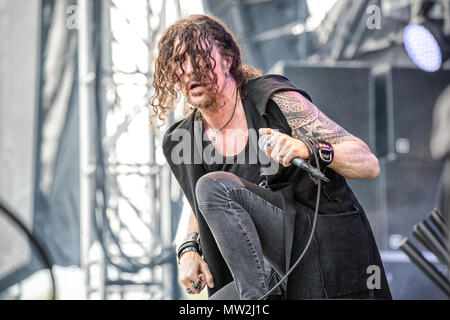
(245,164)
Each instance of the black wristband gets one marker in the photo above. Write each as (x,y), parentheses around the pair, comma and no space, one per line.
(325,153)
(189,248)
(190,240)
(188,244)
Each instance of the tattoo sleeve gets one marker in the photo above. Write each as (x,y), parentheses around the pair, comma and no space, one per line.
(305,119)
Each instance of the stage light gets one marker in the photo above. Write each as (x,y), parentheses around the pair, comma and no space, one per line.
(426,44)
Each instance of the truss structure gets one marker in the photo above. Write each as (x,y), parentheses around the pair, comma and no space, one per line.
(136,204)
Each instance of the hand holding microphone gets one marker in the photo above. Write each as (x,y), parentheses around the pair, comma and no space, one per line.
(287,150)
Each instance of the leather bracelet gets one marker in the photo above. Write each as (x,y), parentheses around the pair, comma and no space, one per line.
(191,239)
(325,153)
(193,236)
(188,244)
(185,250)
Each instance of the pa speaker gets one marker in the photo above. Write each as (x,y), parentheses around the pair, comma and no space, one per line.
(411,95)
(410,187)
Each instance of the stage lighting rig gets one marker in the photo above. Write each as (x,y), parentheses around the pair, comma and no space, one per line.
(426,38)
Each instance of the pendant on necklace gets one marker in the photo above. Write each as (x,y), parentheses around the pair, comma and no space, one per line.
(214,141)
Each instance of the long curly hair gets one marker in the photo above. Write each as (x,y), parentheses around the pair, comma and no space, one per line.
(194,34)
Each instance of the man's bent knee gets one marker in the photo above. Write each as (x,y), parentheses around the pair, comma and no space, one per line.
(211,188)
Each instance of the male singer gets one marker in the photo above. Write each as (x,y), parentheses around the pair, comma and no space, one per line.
(250,222)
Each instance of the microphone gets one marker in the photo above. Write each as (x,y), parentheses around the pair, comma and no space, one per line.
(298,162)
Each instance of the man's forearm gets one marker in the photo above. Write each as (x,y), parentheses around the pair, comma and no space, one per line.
(353,159)
(192,227)
(192,224)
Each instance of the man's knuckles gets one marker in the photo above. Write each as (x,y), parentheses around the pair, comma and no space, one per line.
(186,280)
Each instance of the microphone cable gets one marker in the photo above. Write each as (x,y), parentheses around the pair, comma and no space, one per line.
(313,228)
(9,213)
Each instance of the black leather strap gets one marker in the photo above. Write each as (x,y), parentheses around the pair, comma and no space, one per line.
(190,240)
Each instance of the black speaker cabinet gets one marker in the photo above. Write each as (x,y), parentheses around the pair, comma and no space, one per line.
(410,187)
(411,95)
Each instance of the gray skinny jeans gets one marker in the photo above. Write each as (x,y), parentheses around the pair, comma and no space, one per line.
(246,221)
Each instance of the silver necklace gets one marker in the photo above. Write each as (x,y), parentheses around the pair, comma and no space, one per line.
(218,130)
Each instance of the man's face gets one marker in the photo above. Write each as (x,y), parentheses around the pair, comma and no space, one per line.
(199,92)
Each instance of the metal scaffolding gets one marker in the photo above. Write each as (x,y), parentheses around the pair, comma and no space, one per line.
(129,205)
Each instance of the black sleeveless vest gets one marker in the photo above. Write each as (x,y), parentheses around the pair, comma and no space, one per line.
(343,246)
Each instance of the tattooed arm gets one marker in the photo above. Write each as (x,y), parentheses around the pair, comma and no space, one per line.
(352,157)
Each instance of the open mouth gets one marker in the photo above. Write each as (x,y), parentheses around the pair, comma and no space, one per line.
(194,85)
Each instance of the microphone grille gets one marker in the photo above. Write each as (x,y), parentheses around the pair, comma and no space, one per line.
(262,142)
